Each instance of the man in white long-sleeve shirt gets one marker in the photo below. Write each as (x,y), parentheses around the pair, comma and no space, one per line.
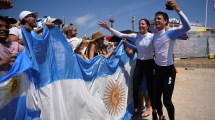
(165,74)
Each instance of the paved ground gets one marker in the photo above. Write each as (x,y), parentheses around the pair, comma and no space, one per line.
(194,95)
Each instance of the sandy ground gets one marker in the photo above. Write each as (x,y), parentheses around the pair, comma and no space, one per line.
(194,95)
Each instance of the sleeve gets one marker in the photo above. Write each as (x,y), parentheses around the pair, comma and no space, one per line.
(176,32)
(131,36)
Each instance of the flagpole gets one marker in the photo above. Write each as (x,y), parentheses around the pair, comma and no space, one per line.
(206,13)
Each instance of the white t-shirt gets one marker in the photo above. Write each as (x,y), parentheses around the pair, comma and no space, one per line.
(144,43)
(16,31)
(74,42)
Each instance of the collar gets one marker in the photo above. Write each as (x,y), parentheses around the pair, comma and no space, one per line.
(161,31)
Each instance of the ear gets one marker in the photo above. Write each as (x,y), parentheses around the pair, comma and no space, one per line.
(25,19)
(166,22)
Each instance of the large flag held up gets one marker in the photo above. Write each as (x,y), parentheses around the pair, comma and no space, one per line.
(60,85)
(13,87)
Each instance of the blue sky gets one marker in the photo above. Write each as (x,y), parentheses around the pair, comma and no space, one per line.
(86,14)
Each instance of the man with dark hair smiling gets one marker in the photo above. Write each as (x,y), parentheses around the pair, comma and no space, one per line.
(164,41)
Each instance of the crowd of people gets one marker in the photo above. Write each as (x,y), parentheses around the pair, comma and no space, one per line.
(154,64)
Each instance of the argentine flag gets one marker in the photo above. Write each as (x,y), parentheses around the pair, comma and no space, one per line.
(56,84)
(13,87)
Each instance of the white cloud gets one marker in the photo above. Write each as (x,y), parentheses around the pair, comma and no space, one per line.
(86,20)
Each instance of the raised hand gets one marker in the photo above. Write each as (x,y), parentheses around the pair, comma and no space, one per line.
(5,4)
(9,60)
(104,25)
(174,5)
(49,24)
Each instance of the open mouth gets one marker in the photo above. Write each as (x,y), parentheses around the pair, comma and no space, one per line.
(141,28)
(157,23)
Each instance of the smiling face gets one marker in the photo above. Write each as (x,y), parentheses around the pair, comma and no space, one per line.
(73,31)
(143,26)
(161,20)
(4,30)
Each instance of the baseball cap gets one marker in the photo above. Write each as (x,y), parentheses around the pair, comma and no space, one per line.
(23,14)
(55,20)
(8,19)
(67,27)
(12,20)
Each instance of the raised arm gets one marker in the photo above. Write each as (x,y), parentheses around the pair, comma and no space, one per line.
(128,50)
(109,53)
(117,33)
(91,50)
(176,32)
(5,4)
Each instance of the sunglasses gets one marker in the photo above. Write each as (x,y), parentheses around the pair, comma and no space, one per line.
(31,15)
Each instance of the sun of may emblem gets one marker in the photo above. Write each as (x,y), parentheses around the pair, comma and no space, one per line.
(13,86)
(114,98)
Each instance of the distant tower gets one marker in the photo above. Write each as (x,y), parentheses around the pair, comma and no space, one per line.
(111,20)
(206,13)
(64,20)
(132,22)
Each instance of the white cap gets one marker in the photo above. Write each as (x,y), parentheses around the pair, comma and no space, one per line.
(59,21)
(23,14)
(52,19)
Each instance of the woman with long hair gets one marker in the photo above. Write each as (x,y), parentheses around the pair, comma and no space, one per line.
(145,61)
